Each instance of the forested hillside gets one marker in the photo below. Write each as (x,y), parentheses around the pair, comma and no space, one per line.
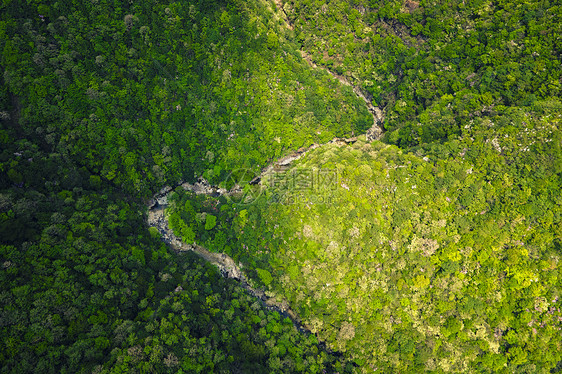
(102,104)
(435,66)
(446,263)
(157,93)
(436,249)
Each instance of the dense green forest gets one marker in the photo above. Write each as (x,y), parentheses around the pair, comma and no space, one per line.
(162,92)
(436,249)
(440,263)
(437,65)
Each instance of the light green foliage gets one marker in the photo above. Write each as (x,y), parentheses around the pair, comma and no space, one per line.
(242,218)
(434,66)
(265,276)
(210,222)
(154,232)
(196,329)
(169,91)
(440,256)
(444,248)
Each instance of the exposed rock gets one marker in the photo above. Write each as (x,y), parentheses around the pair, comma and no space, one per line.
(287,160)
(374,133)
(160,198)
(256,180)
(226,265)
(202,187)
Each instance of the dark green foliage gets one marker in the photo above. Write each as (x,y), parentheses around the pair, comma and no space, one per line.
(448,261)
(439,255)
(102,103)
(209,324)
(435,66)
(86,287)
(146,95)
(74,264)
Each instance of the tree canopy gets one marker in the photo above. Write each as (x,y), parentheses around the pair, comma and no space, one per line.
(435,249)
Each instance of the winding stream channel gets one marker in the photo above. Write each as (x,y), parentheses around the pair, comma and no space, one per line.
(157,205)
(376,131)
